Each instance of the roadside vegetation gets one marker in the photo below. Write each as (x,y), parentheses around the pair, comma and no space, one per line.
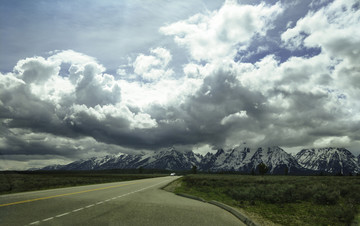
(285,200)
(20,181)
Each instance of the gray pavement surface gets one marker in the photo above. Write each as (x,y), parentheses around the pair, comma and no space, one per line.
(139,202)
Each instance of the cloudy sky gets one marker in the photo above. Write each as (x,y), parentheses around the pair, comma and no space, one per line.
(88,78)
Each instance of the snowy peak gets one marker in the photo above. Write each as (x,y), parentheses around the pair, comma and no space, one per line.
(50,167)
(173,160)
(98,163)
(246,159)
(330,160)
(275,158)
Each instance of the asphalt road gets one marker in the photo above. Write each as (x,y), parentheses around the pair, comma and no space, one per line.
(139,202)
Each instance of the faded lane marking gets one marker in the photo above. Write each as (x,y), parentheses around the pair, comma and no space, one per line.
(61,215)
(66,194)
(77,210)
(89,206)
(47,219)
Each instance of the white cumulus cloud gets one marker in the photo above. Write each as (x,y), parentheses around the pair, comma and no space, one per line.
(153,67)
(221,33)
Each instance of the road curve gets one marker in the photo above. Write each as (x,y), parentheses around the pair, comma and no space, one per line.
(138,202)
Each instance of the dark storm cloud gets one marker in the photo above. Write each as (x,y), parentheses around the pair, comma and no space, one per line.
(235,87)
(198,119)
(219,96)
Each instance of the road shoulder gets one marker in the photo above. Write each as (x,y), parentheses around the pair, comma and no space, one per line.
(241,216)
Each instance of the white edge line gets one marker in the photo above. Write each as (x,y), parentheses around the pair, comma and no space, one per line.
(35,222)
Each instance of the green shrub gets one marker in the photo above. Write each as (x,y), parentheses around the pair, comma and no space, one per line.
(326,197)
(245,194)
(344,213)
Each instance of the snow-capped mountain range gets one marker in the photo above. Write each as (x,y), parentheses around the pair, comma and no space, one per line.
(331,160)
(245,159)
(241,159)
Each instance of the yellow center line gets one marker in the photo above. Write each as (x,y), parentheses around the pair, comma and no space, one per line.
(66,194)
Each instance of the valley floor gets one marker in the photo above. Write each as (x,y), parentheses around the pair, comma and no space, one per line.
(21,181)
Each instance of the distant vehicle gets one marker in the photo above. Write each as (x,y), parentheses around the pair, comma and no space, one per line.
(172,174)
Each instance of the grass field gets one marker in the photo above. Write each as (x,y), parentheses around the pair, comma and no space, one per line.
(285,200)
(12,182)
